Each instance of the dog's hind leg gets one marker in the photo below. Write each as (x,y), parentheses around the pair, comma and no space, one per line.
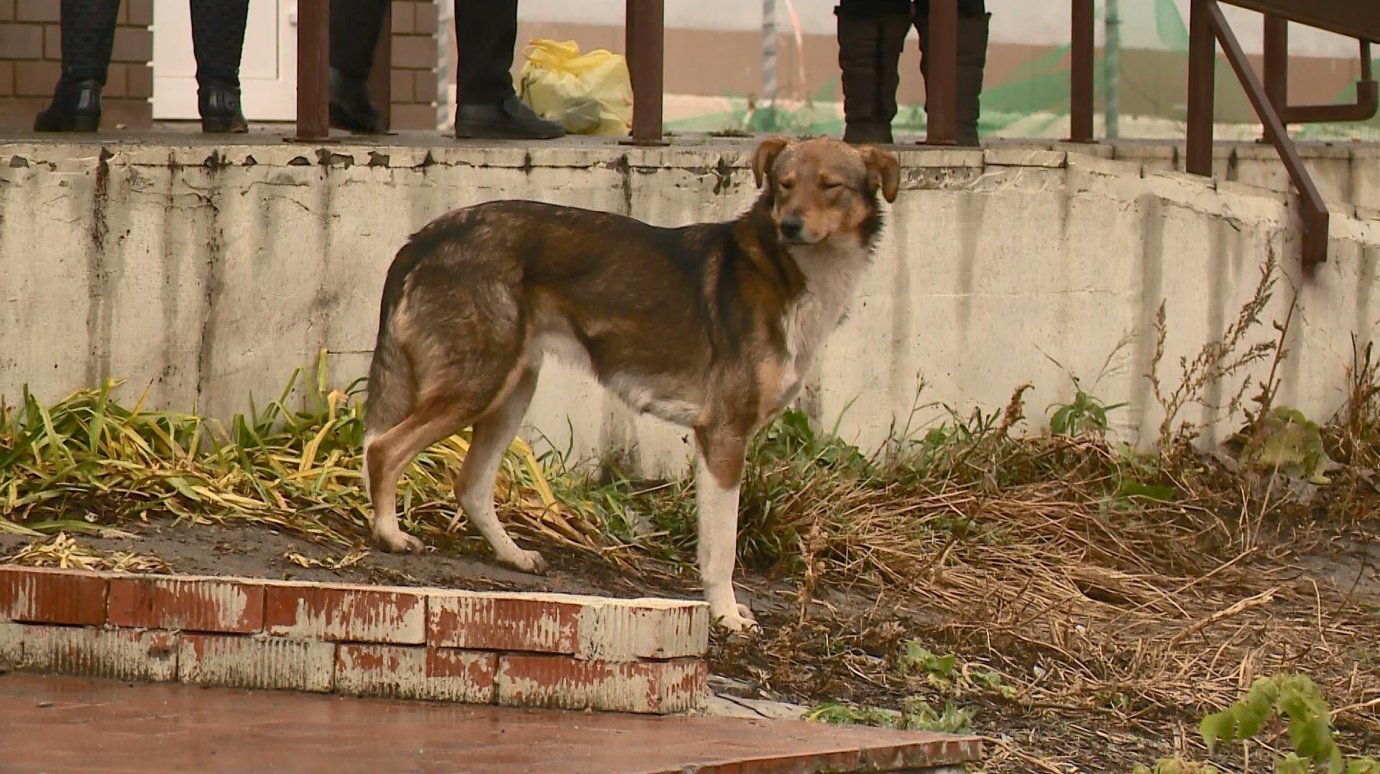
(388,455)
(474,482)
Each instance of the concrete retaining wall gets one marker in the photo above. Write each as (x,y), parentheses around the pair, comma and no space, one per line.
(211,273)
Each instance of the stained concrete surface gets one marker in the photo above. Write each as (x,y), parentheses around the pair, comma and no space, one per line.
(59,725)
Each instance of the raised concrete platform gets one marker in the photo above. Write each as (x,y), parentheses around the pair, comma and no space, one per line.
(209,270)
(60,725)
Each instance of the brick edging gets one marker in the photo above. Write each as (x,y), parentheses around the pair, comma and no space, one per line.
(519,649)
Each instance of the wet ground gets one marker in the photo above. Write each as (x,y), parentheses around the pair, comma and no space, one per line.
(64,724)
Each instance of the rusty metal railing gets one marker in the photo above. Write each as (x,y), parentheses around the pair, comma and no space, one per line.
(1208,27)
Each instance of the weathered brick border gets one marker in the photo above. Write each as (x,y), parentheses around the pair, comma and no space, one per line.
(546,650)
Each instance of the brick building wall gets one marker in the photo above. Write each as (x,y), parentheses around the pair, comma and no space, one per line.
(415,47)
(31,61)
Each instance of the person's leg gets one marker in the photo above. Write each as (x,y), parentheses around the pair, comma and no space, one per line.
(973,21)
(88,34)
(355,27)
(871,36)
(486,104)
(218,41)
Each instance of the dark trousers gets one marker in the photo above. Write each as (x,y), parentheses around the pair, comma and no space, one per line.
(88,35)
(485,34)
(966,8)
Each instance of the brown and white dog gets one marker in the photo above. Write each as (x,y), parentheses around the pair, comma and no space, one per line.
(710,326)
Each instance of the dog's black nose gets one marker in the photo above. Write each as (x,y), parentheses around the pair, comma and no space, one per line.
(791,227)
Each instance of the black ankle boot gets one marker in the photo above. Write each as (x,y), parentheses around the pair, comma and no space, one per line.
(870,41)
(219,105)
(351,108)
(76,107)
(218,42)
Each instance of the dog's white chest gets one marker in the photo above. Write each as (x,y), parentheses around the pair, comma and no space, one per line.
(830,275)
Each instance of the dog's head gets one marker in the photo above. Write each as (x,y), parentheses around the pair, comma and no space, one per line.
(823,188)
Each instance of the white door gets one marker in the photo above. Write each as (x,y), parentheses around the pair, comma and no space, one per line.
(268,66)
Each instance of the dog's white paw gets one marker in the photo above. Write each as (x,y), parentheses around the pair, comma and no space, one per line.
(399,543)
(738,620)
(526,561)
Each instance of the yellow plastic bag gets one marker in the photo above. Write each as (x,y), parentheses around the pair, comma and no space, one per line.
(587,93)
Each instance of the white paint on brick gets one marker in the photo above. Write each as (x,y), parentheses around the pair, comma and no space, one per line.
(389,622)
(627,630)
(403,673)
(122,654)
(659,687)
(227,600)
(22,607)
(489,618)
(256,662)
(11,644)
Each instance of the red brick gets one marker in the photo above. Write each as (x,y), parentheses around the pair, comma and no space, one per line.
(401,85)
(6,78)
(497,622)
(37,10)
(6,10)
(122,654)
(132,44)
(255,662)
(116,82)
(561,681)
(403,14)
(21,41)
(193,604)
(411,116)
(35,79)
(426,88)
(417,52)
(425,20)
(140,12)
(41,595)
(413,672)
(139,80)
(52,42)
(353,614)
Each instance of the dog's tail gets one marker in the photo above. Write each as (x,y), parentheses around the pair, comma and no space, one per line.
(392,383)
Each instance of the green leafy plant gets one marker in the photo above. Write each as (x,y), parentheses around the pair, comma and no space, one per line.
(1084,415)
(1289,442)
(1298,700)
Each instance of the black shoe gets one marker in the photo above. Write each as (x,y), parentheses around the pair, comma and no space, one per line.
(510,119)
(351,108)
(76,107)
(219,105)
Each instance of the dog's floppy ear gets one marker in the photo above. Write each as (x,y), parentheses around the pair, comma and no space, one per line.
(883,171)
(765,156)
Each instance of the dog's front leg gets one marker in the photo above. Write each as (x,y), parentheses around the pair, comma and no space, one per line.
(718,475)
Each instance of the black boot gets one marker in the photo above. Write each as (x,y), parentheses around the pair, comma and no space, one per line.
(486,105)
(88,33)
(218,41)
(971,61)
(354,35)
(351,108)
(870,38)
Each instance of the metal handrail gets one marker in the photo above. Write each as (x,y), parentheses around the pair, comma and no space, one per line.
(1208,27)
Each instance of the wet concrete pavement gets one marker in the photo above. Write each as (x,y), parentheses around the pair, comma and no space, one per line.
(67,724)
